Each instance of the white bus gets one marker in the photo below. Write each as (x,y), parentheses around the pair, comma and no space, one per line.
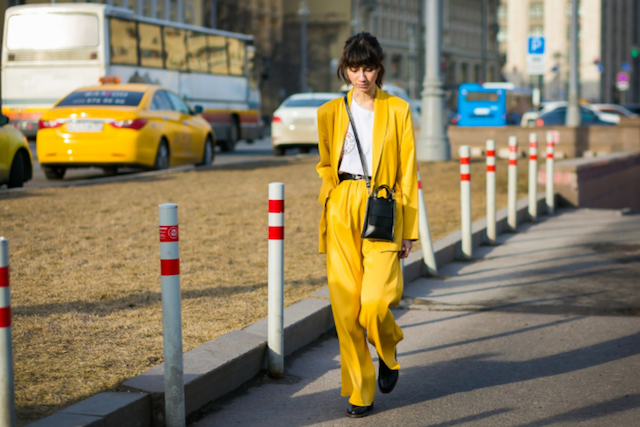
(52,49)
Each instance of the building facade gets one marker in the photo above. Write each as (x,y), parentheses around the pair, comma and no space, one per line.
(620,50)
(521,19)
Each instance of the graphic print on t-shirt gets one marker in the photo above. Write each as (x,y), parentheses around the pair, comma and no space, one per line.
(349,142)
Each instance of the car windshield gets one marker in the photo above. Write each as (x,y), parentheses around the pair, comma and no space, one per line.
(306,102)
(107,98)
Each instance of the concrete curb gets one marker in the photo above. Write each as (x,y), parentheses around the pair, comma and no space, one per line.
(225,363)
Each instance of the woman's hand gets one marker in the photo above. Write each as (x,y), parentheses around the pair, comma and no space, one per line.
(406,248)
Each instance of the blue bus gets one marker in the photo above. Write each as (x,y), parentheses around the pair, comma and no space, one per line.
(492,104)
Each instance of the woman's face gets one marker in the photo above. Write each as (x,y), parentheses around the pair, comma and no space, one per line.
(363,78)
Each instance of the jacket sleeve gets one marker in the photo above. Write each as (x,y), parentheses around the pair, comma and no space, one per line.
(408,178)
(324,166)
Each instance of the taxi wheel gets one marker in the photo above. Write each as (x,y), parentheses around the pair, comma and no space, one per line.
(162,156)
(278,151)
(110,171)
(54,173)
(209,154)
(16,176)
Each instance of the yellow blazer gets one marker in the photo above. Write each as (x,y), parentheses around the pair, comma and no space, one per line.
(394,159)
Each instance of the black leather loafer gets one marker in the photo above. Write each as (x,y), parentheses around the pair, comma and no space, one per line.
(387,378)
(359,411)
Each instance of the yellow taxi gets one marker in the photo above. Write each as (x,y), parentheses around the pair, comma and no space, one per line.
(128,125)
(16,163)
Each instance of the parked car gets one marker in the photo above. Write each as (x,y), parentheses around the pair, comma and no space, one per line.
(16,162)
(530,118)
(129,125)
(634,108)
(616,109)
(558,117)
(295,122)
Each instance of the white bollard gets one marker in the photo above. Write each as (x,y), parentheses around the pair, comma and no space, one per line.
(7,396)
(491,191)
(533,176)
(428,256)
(512,214)
(171,316)
(549,187)
(275,322)
(465,202)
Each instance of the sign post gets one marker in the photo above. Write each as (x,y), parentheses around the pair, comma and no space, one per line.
(535,56)
(622,84)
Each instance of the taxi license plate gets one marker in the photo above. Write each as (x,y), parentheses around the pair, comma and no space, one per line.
(84,126)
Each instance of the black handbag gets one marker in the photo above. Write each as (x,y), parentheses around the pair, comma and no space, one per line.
(380,215)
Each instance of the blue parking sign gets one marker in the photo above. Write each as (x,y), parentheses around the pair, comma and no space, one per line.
(536,45)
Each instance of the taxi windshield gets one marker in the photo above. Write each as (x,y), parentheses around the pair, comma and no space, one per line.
(107,98)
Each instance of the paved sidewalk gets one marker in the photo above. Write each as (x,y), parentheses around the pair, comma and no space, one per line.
(544,330)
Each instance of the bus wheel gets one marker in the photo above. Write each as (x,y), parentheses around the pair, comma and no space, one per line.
(234,134)
(54,173)
(162,156)
(17,173)
(208,154)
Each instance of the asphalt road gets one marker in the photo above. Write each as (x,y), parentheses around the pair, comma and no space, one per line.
(541,330)
(259,150)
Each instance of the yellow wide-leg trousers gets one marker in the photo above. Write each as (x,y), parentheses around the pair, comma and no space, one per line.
(363,282)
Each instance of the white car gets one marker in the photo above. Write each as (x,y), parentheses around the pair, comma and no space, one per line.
(530,118)
(295,122)
(615,109)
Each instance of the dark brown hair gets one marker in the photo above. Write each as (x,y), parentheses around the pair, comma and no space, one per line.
(361,50)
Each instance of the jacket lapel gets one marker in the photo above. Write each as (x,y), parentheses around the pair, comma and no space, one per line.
(339,136)
(380,121)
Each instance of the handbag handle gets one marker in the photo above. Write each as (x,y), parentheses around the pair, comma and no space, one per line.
(365,171)
(383,187)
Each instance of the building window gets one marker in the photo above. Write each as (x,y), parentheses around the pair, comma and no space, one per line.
(502,12)
(536,31)
(476,73)
(536,10)
(464,72)
(396,65)
(568,9)
(503,35)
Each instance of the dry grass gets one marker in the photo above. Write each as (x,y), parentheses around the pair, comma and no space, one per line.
(85,269)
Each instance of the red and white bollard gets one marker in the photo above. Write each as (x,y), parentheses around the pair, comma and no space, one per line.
(533,176)
(550,197)
(491,191)
(465,201)
(171,316)
(275,320)
(512,195)
(428,256)
(7,397)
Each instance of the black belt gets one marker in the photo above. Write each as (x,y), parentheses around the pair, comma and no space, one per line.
(351,177)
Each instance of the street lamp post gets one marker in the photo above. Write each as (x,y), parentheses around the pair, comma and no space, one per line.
(433,144)
(573,108)
(303,12)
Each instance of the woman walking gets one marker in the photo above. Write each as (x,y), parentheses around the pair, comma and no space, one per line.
(364,274)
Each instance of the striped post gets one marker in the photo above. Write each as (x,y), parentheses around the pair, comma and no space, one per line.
(491,191)
(465,201)
(550,197)
(512,214)
(533,176)
(428,256)
(275,322)
(171,316)
(7,397)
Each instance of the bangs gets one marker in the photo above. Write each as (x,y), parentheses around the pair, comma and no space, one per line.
(361,55)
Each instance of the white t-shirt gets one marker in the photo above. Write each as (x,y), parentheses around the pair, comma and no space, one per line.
(364,125)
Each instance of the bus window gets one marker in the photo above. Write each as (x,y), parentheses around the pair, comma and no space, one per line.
(217,54)
(236,57)
(481,96)
(123,43)
(197,52)
(251,66)
(175,50)
(150,45)
(35,31)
